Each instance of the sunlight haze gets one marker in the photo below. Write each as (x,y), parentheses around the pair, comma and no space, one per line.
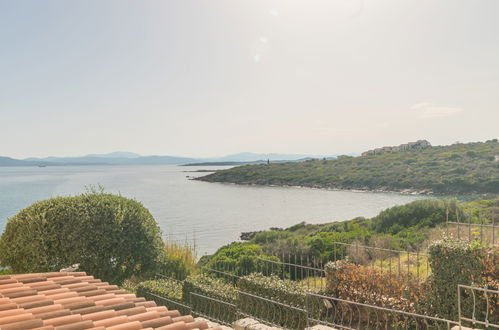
(209,78)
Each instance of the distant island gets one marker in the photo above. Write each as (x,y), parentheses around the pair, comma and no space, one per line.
(261,161)
(225,163)
(455,169)
(129,158)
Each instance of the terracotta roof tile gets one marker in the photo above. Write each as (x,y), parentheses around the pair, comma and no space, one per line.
(76,301)
(53,314)
(159,322)
(132,311)
(29,324)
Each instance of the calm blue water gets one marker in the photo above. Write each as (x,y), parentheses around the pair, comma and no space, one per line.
(211,214)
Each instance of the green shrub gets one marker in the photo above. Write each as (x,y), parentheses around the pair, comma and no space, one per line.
(422,213)
(271,236)
(212,297)
(111,237)
(240,259)
(289,295)
(158,290)
(166,287)
(452,262)
(6,271)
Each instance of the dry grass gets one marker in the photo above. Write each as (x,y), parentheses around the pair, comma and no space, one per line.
(416,266)
(186,253)
(314,283)
(487,235)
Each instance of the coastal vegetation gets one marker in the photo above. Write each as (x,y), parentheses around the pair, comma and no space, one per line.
(461,168)
(372,242)
(286,302)
(405,226)
(279,276)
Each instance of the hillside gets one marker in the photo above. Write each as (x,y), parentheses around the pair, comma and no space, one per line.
(455,169)
(7,161)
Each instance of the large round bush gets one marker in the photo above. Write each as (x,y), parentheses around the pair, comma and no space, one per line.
(110,236)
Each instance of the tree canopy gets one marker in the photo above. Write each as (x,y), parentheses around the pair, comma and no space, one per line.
(109,236)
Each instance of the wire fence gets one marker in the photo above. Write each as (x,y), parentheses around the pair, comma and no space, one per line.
(487,233)
(472,225)
(310,270)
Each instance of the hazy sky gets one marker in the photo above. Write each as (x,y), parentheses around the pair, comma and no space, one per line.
(213,77)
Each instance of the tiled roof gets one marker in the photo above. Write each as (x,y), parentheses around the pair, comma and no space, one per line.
(74,301)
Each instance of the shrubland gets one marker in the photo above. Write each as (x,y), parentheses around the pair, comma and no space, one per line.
(456,169)
(410,227)
(259,277)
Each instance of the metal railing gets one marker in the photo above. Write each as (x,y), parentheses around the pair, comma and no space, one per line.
(171,303)
(215,309)
(487,233)
(310,272)
(398,262)
(474,310)
(271,312)
(475,225)
(313,278)
(478,306)
(221,272)
(345,314)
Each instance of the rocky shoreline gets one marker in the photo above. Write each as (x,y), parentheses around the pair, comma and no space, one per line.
(406,191)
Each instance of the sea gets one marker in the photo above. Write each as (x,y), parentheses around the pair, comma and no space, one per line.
(200,214)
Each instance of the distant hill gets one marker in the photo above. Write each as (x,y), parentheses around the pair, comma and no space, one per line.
(116,154)
(109,160)
(254,157)
(129,158)
(7,161)
(224,163)
(455,169)
(230,163)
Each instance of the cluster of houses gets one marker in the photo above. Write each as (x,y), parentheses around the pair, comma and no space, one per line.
(419,144)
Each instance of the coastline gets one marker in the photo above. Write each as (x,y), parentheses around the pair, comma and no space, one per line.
(407,191)
(426,192)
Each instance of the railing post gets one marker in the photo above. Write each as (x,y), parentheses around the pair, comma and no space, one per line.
(469,224)
(408,262)
(458,225)
(357,249)
(481,225)
(459,305)
(417,263)
(493,230)
(399,263)
(447,220)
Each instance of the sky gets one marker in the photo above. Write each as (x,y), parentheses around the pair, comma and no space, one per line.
(205,78)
